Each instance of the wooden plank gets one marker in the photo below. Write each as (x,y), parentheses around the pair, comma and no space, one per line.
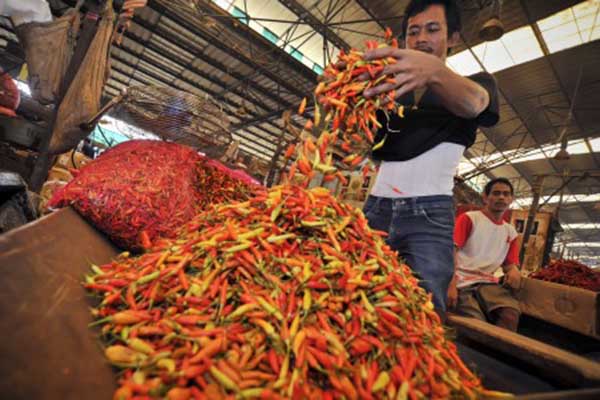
(499,374)
(585,394)
(554,364)
(48,351)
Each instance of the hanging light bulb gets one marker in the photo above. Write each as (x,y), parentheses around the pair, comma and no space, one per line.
(563,154)
(493,29)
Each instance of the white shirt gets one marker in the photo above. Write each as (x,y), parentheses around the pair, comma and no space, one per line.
(484,246)
(429,174)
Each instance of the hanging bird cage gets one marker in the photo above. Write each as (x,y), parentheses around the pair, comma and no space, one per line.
(175,116)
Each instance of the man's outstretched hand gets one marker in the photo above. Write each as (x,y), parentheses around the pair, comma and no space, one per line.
(411,70)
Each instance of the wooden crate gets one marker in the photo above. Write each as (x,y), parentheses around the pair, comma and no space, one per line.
(572,308)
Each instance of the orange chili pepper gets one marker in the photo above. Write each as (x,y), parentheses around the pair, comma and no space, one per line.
(302,106)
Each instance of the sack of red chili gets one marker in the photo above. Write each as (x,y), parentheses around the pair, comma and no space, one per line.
(571,273)
(234,173)
(287,295)
(141,190)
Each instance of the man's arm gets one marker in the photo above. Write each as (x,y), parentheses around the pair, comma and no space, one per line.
(415,69)
(462,231)
(459,95)
(512,274)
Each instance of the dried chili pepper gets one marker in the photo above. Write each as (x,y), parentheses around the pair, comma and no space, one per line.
(571,273)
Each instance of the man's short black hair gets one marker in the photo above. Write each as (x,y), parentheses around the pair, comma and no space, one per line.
(488,187)
(418,6)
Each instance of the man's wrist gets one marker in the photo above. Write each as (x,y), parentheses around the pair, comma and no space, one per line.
(438,75)
(509,267)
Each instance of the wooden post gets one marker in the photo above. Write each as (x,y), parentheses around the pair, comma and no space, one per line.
(273,166)
(45,159)
(537,192)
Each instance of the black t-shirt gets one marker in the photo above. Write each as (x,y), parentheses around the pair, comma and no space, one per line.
(429,124)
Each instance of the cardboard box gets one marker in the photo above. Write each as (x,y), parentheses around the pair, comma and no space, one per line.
(572,308)
(48,351)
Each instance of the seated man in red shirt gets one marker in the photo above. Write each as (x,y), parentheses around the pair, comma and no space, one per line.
(484,243)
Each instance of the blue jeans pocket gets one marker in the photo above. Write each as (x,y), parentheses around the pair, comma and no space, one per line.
(442,217)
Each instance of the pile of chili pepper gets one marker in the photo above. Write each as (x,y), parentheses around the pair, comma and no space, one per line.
(141,190)
(286,295)
(350,122)
(571,273)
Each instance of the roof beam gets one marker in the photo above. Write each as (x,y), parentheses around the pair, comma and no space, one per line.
(308,74)
(168,37)
(176,42)
(539,37)
(230,102)
(173,58)
(367,9)
(321,27)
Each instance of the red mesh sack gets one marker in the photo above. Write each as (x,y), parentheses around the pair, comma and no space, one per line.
(141,190)
(234,173)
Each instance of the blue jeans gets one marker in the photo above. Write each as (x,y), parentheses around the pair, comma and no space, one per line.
(421,230)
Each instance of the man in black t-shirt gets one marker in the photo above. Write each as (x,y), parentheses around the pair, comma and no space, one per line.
(411,198)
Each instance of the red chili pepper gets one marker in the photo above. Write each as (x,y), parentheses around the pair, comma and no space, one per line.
(99,287)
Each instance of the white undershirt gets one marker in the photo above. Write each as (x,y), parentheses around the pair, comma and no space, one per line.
(429,174)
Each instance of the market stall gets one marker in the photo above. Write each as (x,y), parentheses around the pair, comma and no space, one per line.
(165,269)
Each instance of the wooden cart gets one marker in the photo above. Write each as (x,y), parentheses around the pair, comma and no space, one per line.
(48,351)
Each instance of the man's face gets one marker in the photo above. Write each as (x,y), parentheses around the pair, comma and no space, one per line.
(499,198)
(428,32)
